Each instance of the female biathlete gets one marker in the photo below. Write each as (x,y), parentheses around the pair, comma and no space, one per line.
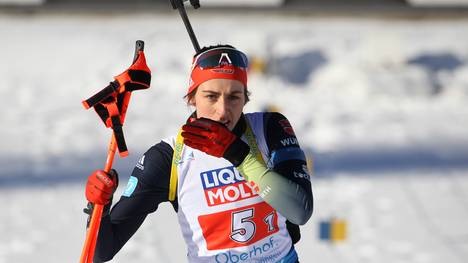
(238,182)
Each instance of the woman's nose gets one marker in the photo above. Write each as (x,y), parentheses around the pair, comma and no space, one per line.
(222,108)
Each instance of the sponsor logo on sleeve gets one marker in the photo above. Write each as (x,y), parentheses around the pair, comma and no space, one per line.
(131,185)
(304,174)
(287,127)
(289,141)
(141,163)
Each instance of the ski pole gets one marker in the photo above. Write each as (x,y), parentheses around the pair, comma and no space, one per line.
(179,5)
(98,209)
(123,85)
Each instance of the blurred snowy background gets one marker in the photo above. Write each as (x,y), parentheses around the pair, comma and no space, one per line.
(381,105)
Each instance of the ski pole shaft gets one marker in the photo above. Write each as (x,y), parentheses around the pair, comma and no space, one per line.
(110,155)
(100,208)
(179,5)
(89,248)
(91,238)
(189,28)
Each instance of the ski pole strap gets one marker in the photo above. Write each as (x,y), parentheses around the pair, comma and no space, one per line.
(111,102)
(137,77)
(130,80)
(119,136)
(112,113)
(101,95)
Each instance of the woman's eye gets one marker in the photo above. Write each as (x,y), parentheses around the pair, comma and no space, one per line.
(234,98)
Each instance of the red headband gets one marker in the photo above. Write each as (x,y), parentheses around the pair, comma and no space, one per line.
(218,63)
(200,75)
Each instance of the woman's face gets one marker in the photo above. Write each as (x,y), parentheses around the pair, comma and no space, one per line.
(220,100)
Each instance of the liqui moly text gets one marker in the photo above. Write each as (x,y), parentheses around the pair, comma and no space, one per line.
(225,185)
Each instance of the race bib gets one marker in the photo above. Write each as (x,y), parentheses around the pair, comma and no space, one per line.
(239,227)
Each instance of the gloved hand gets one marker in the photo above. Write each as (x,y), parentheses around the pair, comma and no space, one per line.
(101,186)
(215,139)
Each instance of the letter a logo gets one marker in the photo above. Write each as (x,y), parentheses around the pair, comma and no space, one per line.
(141,163)
(221,62)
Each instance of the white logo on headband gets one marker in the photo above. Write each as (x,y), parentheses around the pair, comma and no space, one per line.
(220,62)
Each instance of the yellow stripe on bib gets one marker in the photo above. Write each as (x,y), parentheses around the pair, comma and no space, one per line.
(176,156)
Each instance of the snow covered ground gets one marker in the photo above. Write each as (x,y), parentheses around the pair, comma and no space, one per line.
(381,104)
(413,217)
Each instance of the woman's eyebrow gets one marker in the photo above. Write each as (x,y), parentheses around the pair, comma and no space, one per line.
(236,92)
(210,91)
